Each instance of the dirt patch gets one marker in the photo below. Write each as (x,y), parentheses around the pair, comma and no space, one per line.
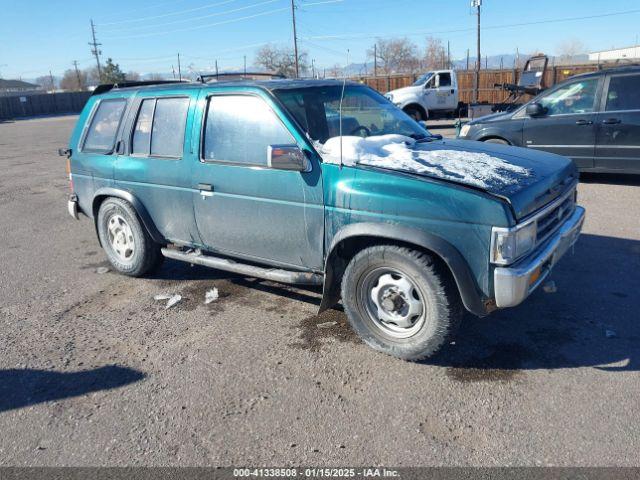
(312,337)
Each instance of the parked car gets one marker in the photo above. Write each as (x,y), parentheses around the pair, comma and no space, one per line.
(433,92)
(592,118)
(250,178)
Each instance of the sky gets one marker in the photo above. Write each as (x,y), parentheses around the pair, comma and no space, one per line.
(146,35)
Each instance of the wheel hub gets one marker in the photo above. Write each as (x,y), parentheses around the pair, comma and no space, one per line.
(394,303)
(121,238)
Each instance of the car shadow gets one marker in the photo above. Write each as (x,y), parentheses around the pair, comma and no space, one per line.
(587,317)
(610,178)
(21,388)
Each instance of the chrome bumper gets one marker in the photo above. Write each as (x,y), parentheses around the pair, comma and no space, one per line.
(513,284)
(72,206)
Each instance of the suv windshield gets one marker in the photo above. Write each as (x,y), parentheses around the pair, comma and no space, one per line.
(365,113)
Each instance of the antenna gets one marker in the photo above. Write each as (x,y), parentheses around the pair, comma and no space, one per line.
(344,84)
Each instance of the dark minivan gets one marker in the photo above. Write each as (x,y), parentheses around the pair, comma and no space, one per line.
(592,118)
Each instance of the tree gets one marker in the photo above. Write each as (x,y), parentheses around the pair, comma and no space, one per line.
(111,73)
(570,49)
(47,82)
(133,76)
(74,81)
(396,55)
(281,60)
(435,54)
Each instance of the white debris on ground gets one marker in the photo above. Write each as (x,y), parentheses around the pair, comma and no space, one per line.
(402,153)
(211,296)
(550,287)
(326,324)
(172,299)
(102,270)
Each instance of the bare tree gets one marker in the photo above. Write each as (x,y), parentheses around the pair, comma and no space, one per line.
(133,76)
(156,76)
(335,71)
(74,81)
(570,49)
(281,60)
(435,54)
(46,82)
(396,55)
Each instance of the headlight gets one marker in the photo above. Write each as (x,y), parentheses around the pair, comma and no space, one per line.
(464,130)
(510,244)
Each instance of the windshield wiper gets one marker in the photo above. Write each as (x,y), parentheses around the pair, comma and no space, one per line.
(429,138)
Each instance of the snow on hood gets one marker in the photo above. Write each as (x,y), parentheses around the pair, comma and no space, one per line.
(401,153)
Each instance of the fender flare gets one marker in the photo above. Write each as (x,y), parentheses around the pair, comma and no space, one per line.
(471,297)
(137,205)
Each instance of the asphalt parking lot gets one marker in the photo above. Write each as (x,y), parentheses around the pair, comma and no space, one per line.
(93,371)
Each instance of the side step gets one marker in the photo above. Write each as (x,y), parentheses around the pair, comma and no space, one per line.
(276,275)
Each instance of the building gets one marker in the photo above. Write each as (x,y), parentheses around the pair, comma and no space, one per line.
(16,87)
(628,53)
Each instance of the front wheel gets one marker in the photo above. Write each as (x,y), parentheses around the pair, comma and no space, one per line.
(399,302)
(129,247)
(415,113)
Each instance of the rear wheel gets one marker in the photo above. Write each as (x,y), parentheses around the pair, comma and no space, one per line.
(399,302)
(129,247)
(415,113)
(496,140)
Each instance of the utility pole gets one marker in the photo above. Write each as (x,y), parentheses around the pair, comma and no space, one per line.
(75,66)
(245,66)
(375,59)
(95,51)
(53,85)
(173,70)
(216,69)
(448,55)
(467,59)
(313,68)
(477,4)
(295,37)
(179,70)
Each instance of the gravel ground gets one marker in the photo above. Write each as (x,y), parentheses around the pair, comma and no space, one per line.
(93,371)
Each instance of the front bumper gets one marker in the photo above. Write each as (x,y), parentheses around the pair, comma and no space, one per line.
(513,284)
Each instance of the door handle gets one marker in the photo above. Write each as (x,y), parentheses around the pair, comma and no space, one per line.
(611,121)
(584,122)
(207,187)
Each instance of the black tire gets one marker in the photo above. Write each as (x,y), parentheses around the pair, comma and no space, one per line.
(415,113)
(499,141)
(442,308)
(145,254)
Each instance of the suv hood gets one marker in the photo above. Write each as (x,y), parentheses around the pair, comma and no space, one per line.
(527,179)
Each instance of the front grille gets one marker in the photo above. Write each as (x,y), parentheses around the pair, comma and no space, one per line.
(551,220)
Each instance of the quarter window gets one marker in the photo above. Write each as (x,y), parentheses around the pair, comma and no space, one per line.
(239,129)
(160,126)
(575,97)
(101,134)
(624,93)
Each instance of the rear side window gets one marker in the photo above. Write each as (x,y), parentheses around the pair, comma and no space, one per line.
(160,126)
(624,93)
(239,129)
(101,134)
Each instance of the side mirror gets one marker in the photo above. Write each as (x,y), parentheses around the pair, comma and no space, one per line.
(535,110)
(287,157)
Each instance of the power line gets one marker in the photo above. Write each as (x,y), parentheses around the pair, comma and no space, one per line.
(233,20)
(460,30)
(217,14)
(152,17)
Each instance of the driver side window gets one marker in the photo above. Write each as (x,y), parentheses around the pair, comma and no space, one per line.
(575,97)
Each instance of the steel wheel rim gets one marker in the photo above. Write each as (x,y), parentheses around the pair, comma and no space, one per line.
(393,302)
(121,238)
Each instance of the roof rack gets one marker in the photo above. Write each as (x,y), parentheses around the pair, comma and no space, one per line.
(105,87)
(230,76)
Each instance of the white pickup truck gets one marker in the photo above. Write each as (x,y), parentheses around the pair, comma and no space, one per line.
(433,92)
